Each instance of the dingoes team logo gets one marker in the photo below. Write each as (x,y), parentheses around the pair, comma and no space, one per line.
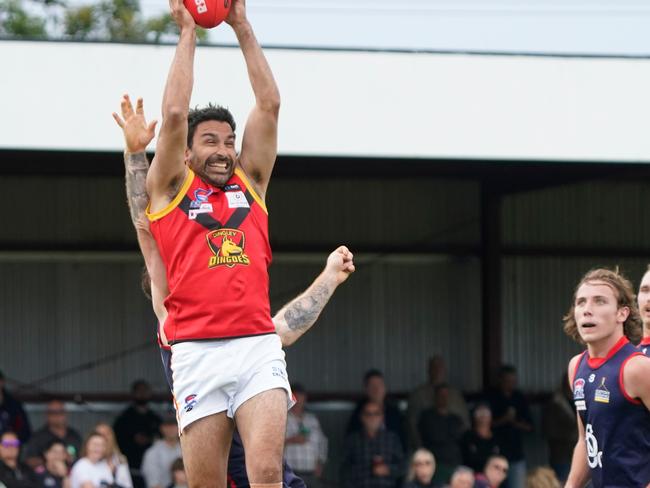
(228,246)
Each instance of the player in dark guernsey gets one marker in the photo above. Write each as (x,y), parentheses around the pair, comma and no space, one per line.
(290,323)
(610,383)
(644,311)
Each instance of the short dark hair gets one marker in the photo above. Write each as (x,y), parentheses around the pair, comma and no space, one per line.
(138,384)
(372,373)
(177,465)
(211,112)
(52,443)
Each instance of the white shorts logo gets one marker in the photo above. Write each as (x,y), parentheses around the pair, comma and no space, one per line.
(594,457)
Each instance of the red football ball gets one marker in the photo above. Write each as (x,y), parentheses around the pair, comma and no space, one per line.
(208,13)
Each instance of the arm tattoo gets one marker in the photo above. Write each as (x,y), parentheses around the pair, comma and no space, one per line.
(136,166)
(303,312)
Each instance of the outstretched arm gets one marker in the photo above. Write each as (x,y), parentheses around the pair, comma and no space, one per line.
(168,168)
(259,144)
(297,316)
(137,136)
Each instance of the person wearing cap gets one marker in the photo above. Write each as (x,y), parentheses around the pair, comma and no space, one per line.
(158,459)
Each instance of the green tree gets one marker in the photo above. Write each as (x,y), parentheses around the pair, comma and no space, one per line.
(16,22)
(107,20)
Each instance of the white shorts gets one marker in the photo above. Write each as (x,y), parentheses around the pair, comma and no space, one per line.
(219,376)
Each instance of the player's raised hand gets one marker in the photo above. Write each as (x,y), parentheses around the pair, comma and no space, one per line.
(137,133)
(237,13)
(181,15)
(341,263)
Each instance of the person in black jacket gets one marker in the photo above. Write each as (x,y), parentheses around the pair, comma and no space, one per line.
(136,428)
(373,456)
(13,473)
(478,444)
(12,415)
(375,391)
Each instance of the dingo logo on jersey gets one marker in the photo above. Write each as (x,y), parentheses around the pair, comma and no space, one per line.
(228,248)
(190,402)
(579,389)
(602,393)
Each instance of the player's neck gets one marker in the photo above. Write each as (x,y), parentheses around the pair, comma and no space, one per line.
(599,349)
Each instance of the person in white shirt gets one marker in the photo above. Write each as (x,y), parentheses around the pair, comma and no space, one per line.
(158,459)
(93,469)
(305,444)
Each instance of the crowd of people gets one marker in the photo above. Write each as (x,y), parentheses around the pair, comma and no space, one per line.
(451,444)
(140,450)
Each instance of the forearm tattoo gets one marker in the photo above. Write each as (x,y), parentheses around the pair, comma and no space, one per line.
(303,312)
(136,166)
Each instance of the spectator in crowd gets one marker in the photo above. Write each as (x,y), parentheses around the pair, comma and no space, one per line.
(157,461)
(511,419)
(375,391)
(422,398)
(114,457)
(462,477)
(373,456)
(421,470)
(305,445)
(560,428)
(93,469)
(441,431)
(478,444)
(179,478)
(12,414)
(494,473)
(137,427)
(13,473)
(542,478)
(55,428)
(54,472)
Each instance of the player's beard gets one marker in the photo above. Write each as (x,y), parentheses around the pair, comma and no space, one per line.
(216,176)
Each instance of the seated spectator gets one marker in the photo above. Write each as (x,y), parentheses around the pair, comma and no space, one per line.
(157,461)
(373,456)
(179,478)
(54,472)
(478,444)
(560,428)
(13,473)
(93,469)
(422,398)
(421,471)
(12,414)
(441,431)
(55,428)
(137,427)
(114,456)
(494,473)
(511,419)
(462,477)
(375,391)
(305,445)
(542,478)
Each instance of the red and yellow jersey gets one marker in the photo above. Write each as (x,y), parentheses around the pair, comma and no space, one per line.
(215,246)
